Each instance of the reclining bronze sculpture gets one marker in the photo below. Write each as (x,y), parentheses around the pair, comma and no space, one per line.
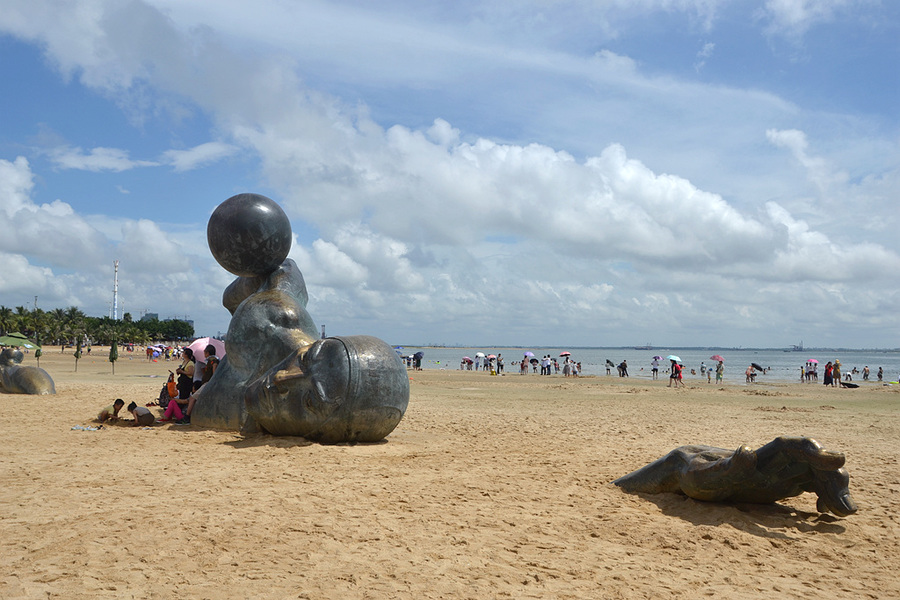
(785,467)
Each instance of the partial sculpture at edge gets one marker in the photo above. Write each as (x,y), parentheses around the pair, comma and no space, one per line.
(276,375)
(16,379)
(785,467)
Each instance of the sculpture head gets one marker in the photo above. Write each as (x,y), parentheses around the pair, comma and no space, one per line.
(339,389)
(11,356)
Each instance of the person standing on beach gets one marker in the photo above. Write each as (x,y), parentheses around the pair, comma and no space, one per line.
(880,373)
(499,364)
(654,368)
(836,373)
(866,373)
(829,371)
(185,374)
(676,375)
(720,372)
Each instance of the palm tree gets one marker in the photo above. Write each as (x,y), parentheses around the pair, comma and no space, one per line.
(6,319)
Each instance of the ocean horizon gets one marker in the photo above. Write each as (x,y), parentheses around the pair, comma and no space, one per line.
(782,365)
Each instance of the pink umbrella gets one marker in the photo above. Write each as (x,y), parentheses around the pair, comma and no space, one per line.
(491,356)
(717,357)
(812,360)
(566,353)
(200,344)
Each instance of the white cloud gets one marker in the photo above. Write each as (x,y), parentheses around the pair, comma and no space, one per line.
(819,172)
(97,159)
(198,156)
(796,17)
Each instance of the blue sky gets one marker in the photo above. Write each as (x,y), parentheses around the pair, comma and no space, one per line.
(680,172)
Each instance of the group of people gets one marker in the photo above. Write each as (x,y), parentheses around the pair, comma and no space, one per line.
(178,395)
(142,415)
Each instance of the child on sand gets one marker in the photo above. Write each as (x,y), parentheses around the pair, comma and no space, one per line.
(142,415)
(111,412)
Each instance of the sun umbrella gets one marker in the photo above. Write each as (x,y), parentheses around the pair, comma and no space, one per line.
(534,361)
(657,357)
(479,355)
(673,357)
(566,353)
(419,355)
(467,359)
(717,357)
(529,353)
(17,339)
(757,366)
(492,356)
(812,360)
(200,344)
(610,363)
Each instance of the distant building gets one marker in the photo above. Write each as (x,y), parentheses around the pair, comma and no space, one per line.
(150,317)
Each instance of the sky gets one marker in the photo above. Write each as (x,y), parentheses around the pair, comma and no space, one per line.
(486,173)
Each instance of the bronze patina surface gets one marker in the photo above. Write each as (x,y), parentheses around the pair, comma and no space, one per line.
(16,379)
(277,376)
(785,467)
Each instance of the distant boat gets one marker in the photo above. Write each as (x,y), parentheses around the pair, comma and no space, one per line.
(649,346)
(796,348)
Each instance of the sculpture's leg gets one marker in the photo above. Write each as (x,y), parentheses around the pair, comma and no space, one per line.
(665,474)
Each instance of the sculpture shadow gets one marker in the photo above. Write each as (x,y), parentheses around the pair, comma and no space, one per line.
(286,441)
(763,520)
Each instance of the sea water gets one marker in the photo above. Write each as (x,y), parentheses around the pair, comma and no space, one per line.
(781,366)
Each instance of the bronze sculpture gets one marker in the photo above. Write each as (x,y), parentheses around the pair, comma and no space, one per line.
(785,467)
(16,379)
(276,375)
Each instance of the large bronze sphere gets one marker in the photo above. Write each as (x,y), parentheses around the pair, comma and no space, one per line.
(249,235)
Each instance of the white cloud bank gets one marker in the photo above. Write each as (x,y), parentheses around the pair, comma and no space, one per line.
(433,235)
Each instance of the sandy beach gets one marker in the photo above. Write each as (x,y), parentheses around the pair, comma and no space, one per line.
(491,487)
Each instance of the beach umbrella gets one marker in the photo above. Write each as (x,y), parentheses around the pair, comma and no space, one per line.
(812,360)
(534,361)
(467,359)
(17,339)
(419,355)
(566,353)
(757,366)
(673,357)
(610,363)
(492,356)
(200,344)
(529,353)
(657,357)
(479,355)
(717,357)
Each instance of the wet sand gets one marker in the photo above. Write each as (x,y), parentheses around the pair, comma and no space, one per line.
(491,487)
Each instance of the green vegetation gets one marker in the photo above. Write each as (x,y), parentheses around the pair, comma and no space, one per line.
(68,326)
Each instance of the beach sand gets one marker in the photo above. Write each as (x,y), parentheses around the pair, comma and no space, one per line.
(491,487)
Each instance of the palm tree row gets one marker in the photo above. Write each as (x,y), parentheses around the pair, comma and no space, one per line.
(64,327)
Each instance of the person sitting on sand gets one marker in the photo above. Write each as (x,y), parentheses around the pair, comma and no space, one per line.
(111,412)
(173,410)
(142,415)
